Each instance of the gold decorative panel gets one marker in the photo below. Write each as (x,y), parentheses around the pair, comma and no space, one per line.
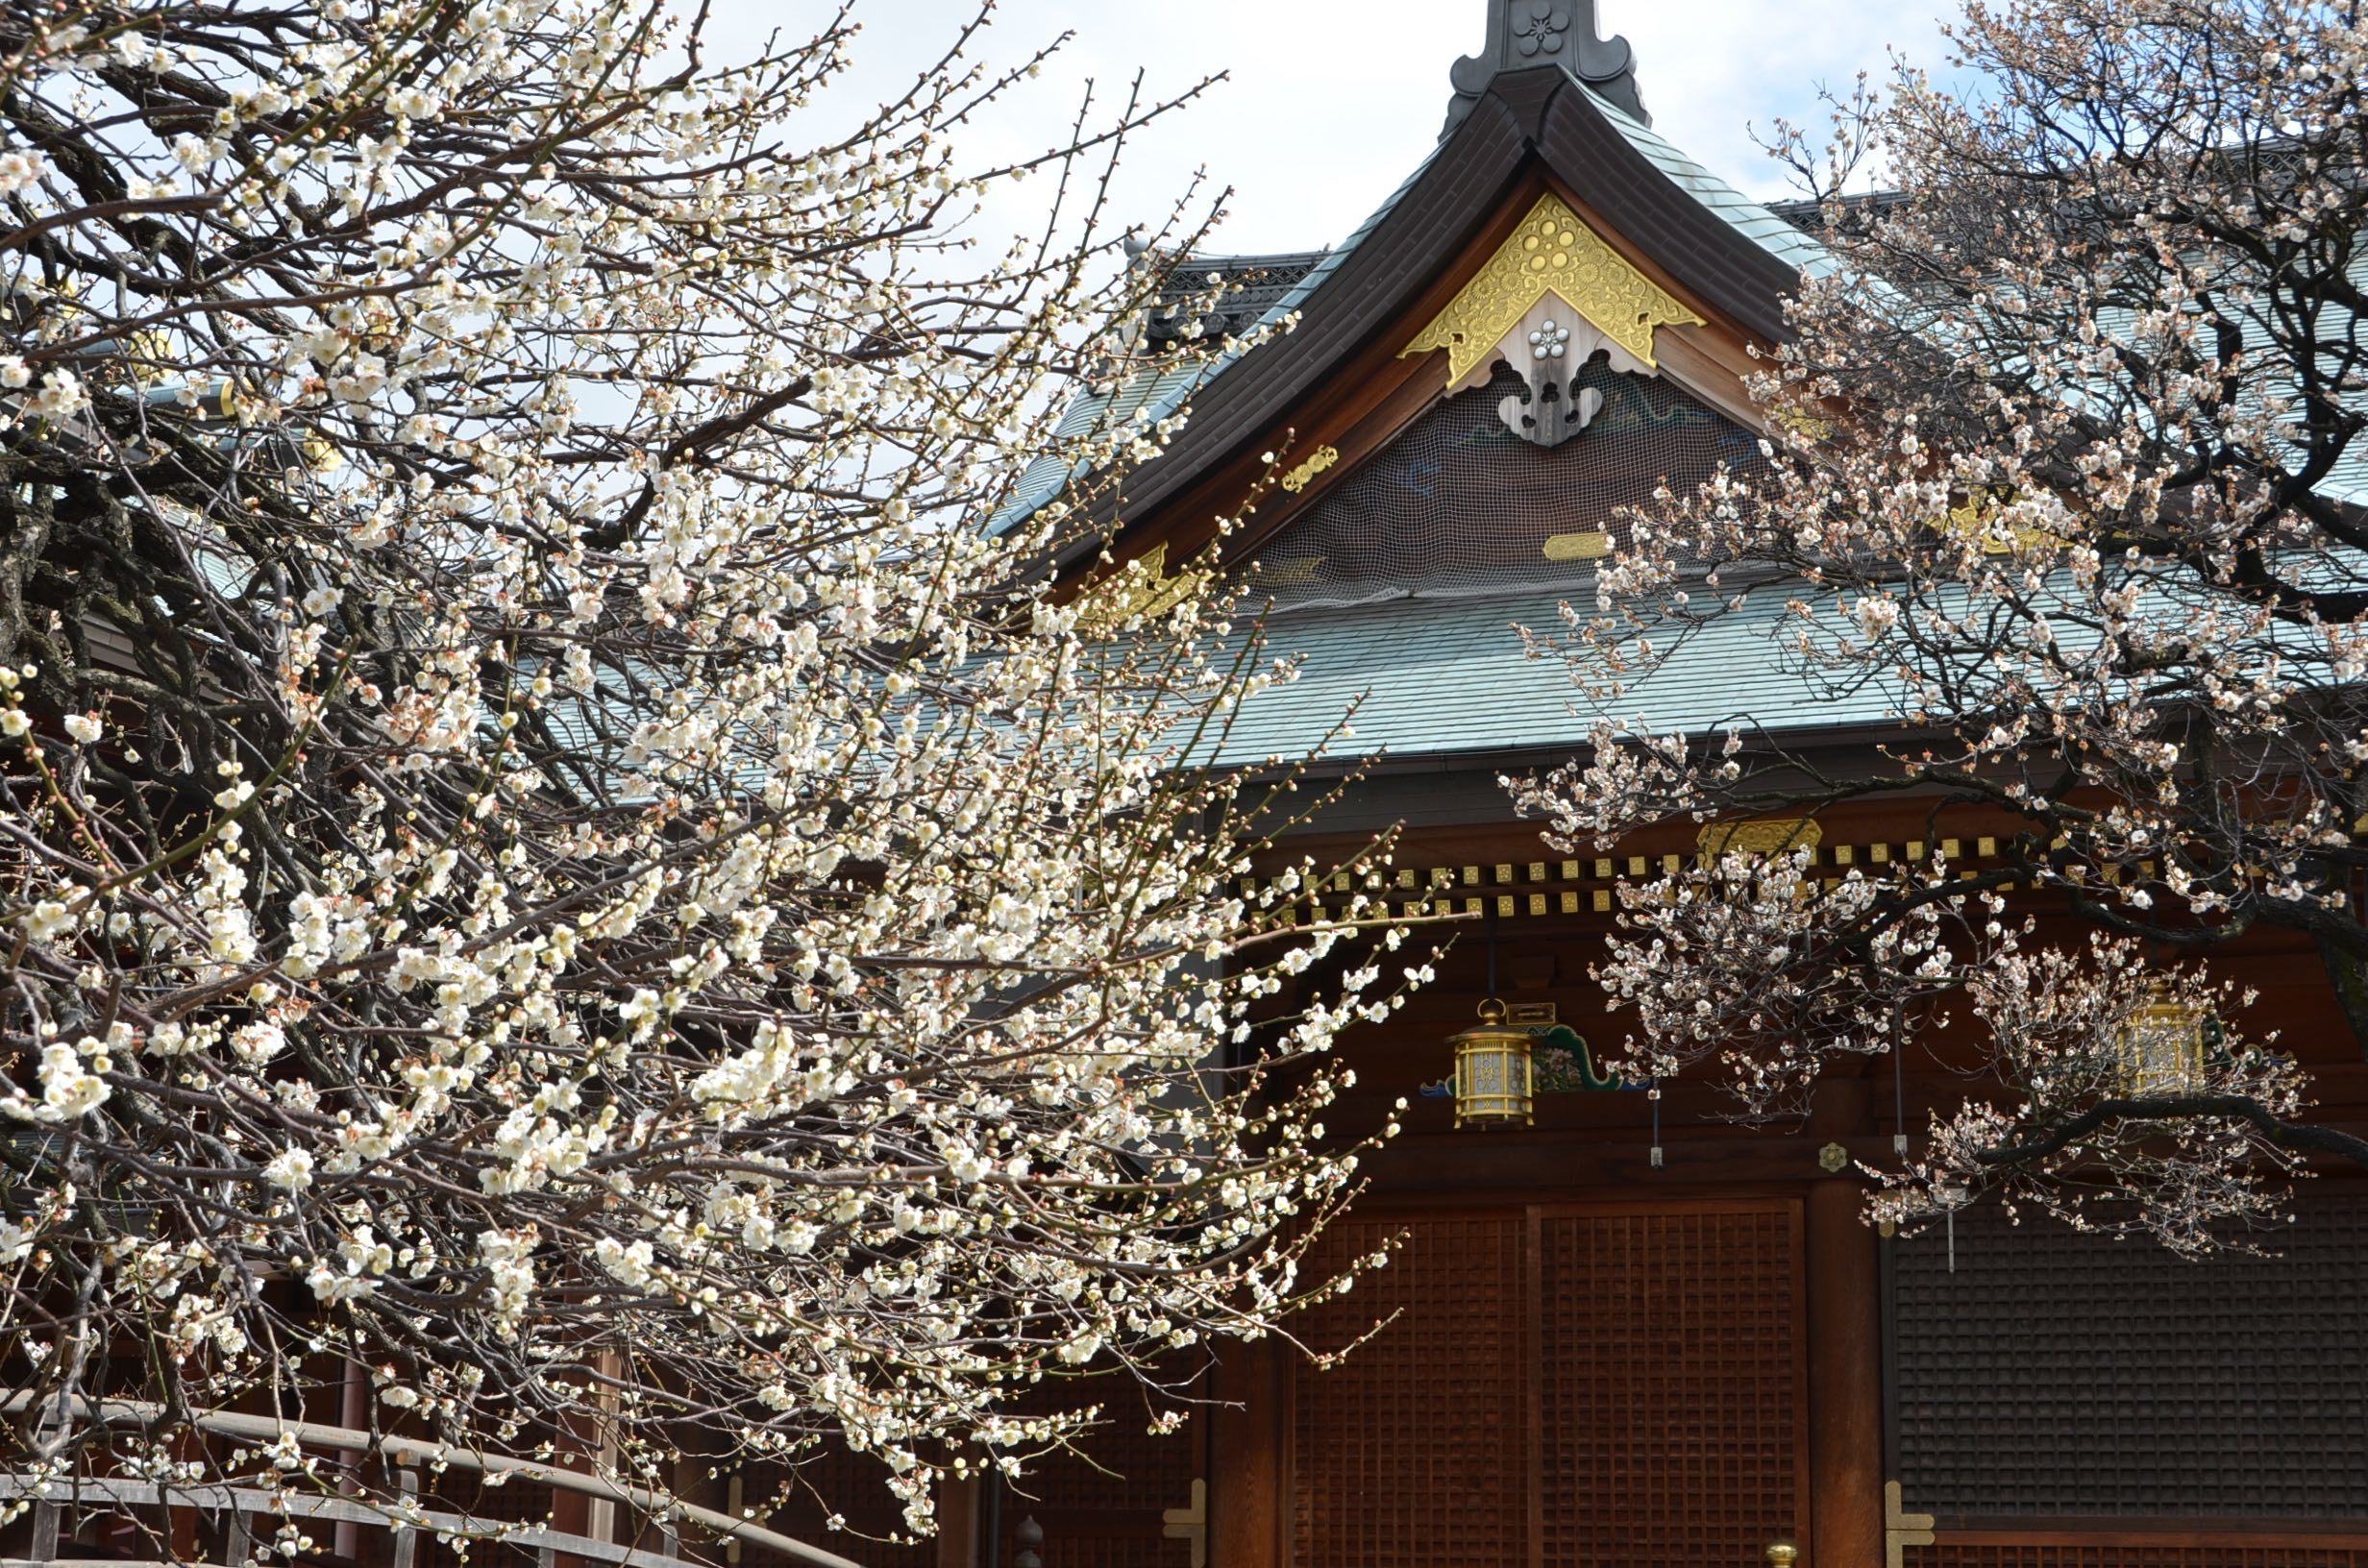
(1764,836)
(1551,252)
(1139,590)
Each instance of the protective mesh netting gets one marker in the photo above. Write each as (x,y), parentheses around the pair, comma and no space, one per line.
(1459,505)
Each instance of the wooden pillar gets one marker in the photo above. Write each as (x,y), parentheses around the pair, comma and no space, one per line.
(957,1522)
(1845,1381)
(1249,1486)
(570,1512)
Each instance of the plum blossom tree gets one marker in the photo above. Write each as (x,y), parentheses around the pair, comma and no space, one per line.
(558,871)
(2065,482)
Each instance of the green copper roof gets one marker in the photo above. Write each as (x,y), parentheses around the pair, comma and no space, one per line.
(1437,676)
(1764,228)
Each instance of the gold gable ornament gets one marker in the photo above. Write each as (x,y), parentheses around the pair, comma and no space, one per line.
(1551,252)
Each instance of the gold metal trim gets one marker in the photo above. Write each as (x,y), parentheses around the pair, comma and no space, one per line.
(1590,546)
(1436,890)
(1972,520)
(1901,1531)
(1289,572)
(1764,837)
(1551,252)
(1190,1524)
(1318,462)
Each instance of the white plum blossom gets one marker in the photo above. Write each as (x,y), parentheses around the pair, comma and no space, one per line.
(2051,505)
(17,170)
(291,1169)
(70,1088)
(60,394)
(610,878)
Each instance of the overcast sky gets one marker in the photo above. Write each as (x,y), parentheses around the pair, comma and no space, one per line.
(1330,102)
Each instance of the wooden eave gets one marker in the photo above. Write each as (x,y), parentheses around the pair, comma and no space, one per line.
(1338,380)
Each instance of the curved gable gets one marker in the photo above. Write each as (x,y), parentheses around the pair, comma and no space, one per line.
(1532,132)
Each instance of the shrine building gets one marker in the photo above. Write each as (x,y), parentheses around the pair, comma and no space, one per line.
(1632,1333)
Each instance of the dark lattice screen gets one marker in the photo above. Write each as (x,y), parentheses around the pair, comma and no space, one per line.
(1102,1511)
(1413,1453)
(854,1487)
(1671,1360)
(2060,1374)
(1459,503)
(2216,1556)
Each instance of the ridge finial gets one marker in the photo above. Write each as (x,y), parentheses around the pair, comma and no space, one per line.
(1527,34)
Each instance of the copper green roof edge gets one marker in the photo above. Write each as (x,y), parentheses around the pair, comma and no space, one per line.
(1781,238)
(1047,477)
(1160,389)
(1431,677)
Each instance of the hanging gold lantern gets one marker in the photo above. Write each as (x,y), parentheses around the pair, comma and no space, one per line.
(1491,1071)
(2161,1047)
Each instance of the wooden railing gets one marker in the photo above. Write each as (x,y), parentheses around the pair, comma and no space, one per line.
(246,1503)
(405,1515)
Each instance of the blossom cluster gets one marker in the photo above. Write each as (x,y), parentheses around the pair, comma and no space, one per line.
(2060,510)
(566,868)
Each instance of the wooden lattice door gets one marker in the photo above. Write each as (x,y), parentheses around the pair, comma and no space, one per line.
(1674,1386)
(1409,1451)
(1613,1386)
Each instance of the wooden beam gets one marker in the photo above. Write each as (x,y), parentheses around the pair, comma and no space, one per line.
(1712,366)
